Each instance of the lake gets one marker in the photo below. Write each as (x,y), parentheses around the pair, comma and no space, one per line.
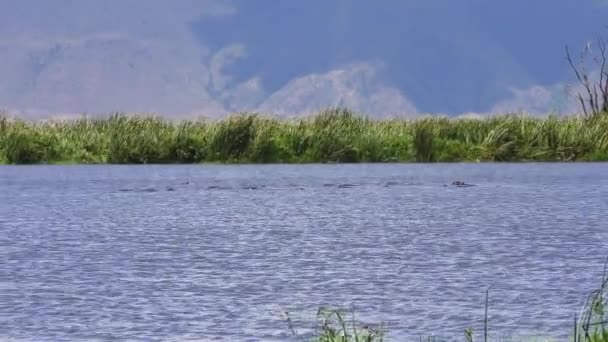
(213,252)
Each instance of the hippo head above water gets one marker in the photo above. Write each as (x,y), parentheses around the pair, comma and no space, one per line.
(461,184)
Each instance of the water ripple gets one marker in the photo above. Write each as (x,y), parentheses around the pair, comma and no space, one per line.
(224,253)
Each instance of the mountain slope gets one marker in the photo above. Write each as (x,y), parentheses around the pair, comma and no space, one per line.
(354,86)
(211,57)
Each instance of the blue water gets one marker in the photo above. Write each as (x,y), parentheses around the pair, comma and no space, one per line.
(210,253)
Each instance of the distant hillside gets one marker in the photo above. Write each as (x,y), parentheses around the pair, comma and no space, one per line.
(211,57)
(99,56)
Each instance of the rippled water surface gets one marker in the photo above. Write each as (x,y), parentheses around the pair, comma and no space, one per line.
(218,252)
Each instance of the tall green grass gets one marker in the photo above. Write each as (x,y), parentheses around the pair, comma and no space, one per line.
(335,135)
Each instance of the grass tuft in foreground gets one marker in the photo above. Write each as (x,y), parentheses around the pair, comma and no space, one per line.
(332,326)
(335,135)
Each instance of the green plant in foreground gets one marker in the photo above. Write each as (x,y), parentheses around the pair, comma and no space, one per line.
(332,326)
(593,326)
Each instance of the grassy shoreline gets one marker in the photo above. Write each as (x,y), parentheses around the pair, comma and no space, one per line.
(336,135)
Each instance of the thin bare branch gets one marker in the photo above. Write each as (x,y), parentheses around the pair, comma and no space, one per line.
(580,98)
(594,99)
(578,75)
(602,46)
(596,93)
(603,75)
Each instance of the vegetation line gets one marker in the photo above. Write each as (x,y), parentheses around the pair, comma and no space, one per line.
(335,135)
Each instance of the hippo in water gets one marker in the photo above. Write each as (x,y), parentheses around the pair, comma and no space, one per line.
(461,184)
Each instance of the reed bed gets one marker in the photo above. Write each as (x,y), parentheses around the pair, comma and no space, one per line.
(335,135)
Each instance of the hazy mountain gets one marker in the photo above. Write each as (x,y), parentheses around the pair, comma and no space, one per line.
(183,57)
(354,86)
(66,56)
